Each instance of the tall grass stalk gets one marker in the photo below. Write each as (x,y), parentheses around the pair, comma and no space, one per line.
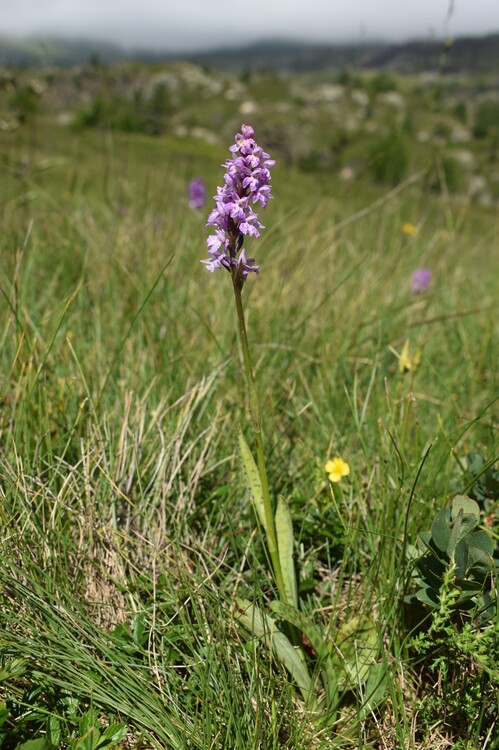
(256,424)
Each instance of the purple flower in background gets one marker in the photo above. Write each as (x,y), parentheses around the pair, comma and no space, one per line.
(197,193)
(233,218)
(420,280)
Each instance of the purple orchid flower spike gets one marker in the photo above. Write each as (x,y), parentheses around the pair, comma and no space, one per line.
(197,193)
(420,280)
(247,181)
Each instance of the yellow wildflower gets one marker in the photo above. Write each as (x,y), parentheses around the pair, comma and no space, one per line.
(409,229)
(336,469)
(408,362)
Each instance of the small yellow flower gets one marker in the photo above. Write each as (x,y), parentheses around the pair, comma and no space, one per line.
(408,362)
(336,469)
(409,229)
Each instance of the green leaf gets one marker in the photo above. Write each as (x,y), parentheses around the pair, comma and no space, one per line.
(480,563)
(461,558)
(424,540)
(90,730)
(440,529)
(54,733)
(320,643)
(285,545)
(356,646)
(13,668)
(253,481)
(462,524)
(375,689)
(114,733)
(4,714)
(428,596)
(139,629)
(482,541)
(413,553)
(303,622)
(265,628)
(41,743)
(89,720)
(468,506)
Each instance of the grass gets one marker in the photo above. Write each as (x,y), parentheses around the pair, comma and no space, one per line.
(126,530)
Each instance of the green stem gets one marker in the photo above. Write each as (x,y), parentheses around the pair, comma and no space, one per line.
(254,408)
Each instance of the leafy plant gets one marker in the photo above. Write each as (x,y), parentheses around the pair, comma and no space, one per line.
(460,645)
(389,159)
(457,553)
(35,715)
(483,481)
(486,118)
(94,735)
(464,665)
(289,632)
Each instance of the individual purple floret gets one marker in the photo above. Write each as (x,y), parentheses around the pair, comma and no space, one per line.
(246,183)
(420,280)
(197,193)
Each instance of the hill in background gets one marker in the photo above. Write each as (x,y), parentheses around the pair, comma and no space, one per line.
(470,55)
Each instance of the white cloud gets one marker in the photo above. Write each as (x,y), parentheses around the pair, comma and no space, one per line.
(177,24)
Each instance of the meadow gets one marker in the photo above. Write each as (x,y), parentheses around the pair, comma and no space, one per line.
(129,535)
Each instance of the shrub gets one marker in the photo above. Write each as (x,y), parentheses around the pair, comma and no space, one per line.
(452,174)
(458,640)
(486,118)
(461,112)
(381,83)
(389,159)
(25,101)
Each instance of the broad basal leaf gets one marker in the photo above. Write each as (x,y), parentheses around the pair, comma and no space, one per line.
(253,481)
(284,533)
(265,628)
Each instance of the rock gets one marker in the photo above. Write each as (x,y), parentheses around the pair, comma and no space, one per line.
(460,134)
(203,134)
(392,99)
(477,185)
(360,97)
(347,174)
(247,108)
(464,158)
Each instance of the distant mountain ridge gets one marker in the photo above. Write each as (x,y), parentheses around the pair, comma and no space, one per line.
(466,54)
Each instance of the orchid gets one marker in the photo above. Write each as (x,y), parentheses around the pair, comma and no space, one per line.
(197,193)
(420,280)
(246,183)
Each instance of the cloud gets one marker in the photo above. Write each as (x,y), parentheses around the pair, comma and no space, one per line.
(189,24)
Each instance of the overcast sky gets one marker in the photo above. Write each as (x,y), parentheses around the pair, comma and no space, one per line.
(200,24)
